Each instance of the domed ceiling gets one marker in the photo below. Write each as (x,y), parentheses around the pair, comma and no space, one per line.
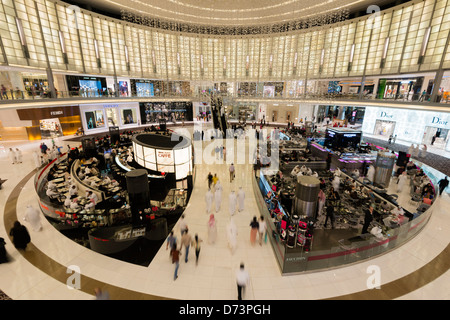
(231,12)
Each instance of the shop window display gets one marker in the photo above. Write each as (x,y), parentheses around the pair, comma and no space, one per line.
(50,128)
(128,116)
(95,119)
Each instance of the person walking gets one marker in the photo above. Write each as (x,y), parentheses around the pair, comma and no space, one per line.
(183,224)
(3,255)
(254,225)
(331,202)
(262,229)
(242,280)
(232,233)
(368,217)
(209,199)
(322,199)
(215,179)
(101,294)
(232,202)
(197,247)
(12,156)
(212,229)
(401,181)
(171,240)
(423,152)
(241,199)
(186,241)
(20,236)
(443,183)
(175,255)
(232,172)
(210,180)
(218,196)
(33,217)
(18,155)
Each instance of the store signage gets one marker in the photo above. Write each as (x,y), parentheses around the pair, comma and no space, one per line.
(47,113)
(350,135)
(385,115)
(164,154)
(110,105)
(437,120)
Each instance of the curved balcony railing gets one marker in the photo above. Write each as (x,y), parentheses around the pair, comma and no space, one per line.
(18,96)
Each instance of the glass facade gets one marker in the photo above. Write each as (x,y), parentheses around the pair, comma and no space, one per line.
(64,37)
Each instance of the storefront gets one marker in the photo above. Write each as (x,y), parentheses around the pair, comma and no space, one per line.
(384,128)
(403,88)
(142,88)
(53,122)
(99,117)
(412,126)
(87,86)
(153,112)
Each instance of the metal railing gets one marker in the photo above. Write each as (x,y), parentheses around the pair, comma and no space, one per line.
(8,96)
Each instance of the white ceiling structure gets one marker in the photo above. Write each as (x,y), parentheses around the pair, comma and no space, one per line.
(231,12)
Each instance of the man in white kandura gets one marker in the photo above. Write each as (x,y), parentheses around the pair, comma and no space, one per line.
(241,199)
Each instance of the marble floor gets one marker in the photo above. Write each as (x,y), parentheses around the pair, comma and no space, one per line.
(45,271)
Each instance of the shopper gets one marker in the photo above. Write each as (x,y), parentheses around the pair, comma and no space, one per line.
(12,156)
(254,225)
(322,198)
(242,280)
(3,256)
(18,155)
(401,181)
(32,216)
(175,255)
(241,199)
(368,217)
(215,179)
(423,152)
(3,91)
(210,180)
(186,241)
(331,202)
(183,225)
(171,240)
(218,196)
(232,202)
(232,233)
(443,183)
(208,199)
(197,247)
(37,159)
(20,235)
(232,172)
(212,229)
(101,294)
(262,229)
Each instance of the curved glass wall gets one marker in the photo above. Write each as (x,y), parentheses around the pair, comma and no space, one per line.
(44,34)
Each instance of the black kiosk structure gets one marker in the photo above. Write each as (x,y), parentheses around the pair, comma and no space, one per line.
(162,166)
(342,138)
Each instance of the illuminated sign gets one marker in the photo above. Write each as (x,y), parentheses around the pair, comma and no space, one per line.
(437,120)
(385,115)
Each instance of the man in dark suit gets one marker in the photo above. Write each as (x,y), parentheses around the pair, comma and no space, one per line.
(368,217)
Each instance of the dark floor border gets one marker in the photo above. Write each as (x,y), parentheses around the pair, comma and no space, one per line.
(392,290)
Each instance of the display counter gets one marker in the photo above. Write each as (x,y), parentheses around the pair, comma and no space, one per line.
(347,160)
(290,252)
